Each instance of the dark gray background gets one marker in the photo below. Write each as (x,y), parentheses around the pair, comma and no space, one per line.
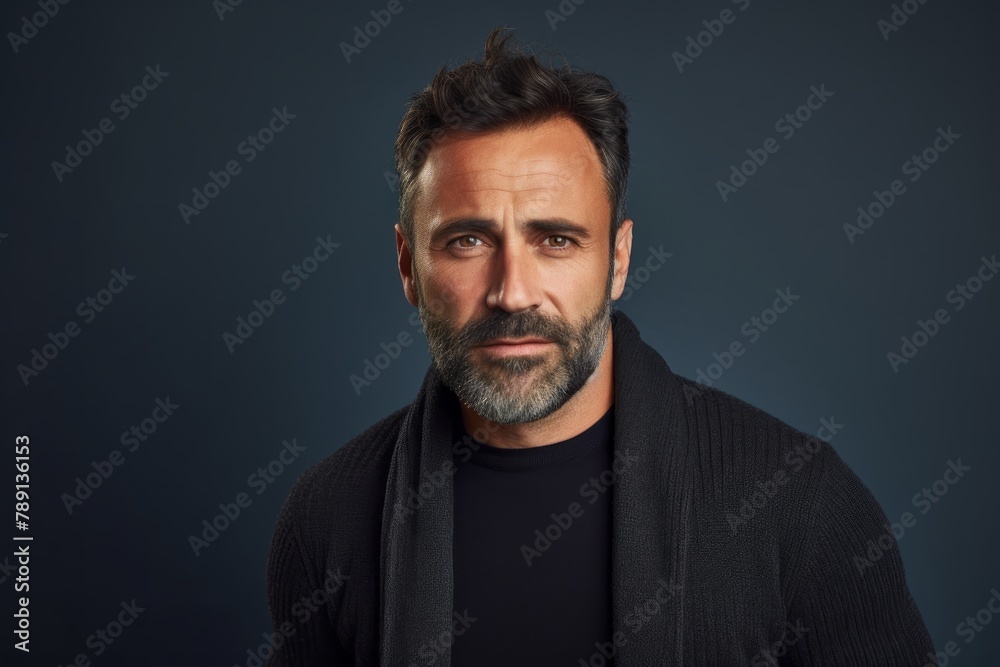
(325,175)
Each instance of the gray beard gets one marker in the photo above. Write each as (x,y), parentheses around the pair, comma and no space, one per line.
(517,389)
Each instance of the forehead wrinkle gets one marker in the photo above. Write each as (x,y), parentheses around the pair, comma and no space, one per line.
(522,182)
(562,167)
(537,189)
(529,171)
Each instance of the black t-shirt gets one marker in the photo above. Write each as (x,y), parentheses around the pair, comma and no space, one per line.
(538,586)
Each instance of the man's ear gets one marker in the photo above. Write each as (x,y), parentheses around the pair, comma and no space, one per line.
(623,253)
(405,260)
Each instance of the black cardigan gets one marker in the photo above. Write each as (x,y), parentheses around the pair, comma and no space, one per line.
(736,539)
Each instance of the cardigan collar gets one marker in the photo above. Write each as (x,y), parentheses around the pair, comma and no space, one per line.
(651,504)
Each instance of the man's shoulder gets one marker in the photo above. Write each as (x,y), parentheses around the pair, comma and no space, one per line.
(355,472)
(752,432)
(772,468)
(332,514)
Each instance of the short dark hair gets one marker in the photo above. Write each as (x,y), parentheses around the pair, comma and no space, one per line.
(507,89)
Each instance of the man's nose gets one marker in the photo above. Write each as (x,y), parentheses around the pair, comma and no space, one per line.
(514,280)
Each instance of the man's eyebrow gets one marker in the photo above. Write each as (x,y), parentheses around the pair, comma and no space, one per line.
(483,225)
(462,226)
(559,225)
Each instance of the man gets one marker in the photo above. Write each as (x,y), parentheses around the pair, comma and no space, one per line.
(555,494)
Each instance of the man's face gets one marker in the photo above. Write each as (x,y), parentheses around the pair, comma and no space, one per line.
(510,268)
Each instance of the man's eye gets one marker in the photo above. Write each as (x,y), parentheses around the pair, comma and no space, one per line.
(460,241)
(558,241)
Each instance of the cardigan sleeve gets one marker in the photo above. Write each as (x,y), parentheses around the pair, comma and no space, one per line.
(849,595)
(297,602)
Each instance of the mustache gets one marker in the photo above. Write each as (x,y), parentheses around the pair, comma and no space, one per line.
(514,325)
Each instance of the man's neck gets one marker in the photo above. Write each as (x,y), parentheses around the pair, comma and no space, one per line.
(575,416)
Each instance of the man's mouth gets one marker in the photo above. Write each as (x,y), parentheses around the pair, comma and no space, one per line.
(507,346)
